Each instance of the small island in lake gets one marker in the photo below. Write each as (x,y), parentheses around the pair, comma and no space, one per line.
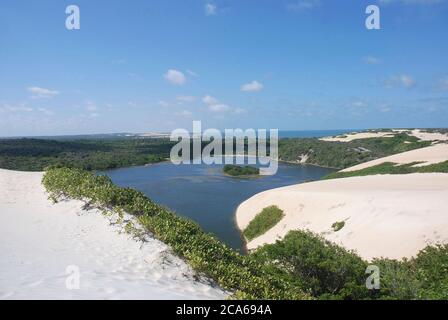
(239,171)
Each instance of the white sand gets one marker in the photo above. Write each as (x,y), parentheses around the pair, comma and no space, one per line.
(429,155)
(393,216)
(39,240)
(418,133)
(429,136)
(357,135)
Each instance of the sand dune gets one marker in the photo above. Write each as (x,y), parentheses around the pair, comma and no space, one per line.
(429,155)
(393,216)
(358,135)
(418,133)
(39,241)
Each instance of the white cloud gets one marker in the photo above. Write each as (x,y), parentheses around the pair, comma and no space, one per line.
(359,104)
(403,80)
(209,100)
(219,107)
(385,109)
(46,111)
(443,83)
(192,73)
(239,111)
(371,60)
(163,103)
(215,106)
(91,106)
(186,98)
(210,9)
(19,108)
(253,86)
(175,77)
(183,113)
(303,5)
(422,2)
(39,93)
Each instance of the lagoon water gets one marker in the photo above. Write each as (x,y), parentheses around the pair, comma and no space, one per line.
(203,194)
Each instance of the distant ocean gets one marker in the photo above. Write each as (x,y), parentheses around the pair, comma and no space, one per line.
(312,133)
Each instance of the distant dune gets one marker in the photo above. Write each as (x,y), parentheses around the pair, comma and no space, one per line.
(418,133)
(393,216)
(39,240)
(429,155)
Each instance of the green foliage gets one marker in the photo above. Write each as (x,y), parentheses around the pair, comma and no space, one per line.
(233,271)
(342,155)
(238,171)
(263,221)
(391,168)
(37,154)
(338,225)
(316,265)
(422,277)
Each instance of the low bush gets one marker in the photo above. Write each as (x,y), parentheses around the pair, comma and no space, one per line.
(338,226)
(263,221)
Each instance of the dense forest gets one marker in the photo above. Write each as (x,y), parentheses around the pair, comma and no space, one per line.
(95,154)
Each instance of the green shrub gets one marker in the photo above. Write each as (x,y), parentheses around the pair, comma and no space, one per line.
(338,226)
(317,266)
(263,221)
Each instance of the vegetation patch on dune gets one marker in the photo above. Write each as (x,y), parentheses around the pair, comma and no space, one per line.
(391,168)
(263,221)
(338,226)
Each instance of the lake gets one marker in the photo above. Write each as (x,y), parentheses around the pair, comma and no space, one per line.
(203,194)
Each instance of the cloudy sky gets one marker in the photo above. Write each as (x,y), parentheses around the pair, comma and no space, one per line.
(139,66)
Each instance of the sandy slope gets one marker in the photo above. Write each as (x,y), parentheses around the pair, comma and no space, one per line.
(418,133)
(429,155)
(385,215)
(38,240)
(357,135)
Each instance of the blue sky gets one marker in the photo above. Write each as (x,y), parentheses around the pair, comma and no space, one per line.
(140,66)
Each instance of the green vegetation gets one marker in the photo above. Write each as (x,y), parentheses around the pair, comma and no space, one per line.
(238,171)
(340,155)
(301,266)
(94,154)
(338,226)
(206,254)
(263,221)
(391,168)
(328,271)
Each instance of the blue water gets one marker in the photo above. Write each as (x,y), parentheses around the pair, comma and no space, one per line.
(206,196)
